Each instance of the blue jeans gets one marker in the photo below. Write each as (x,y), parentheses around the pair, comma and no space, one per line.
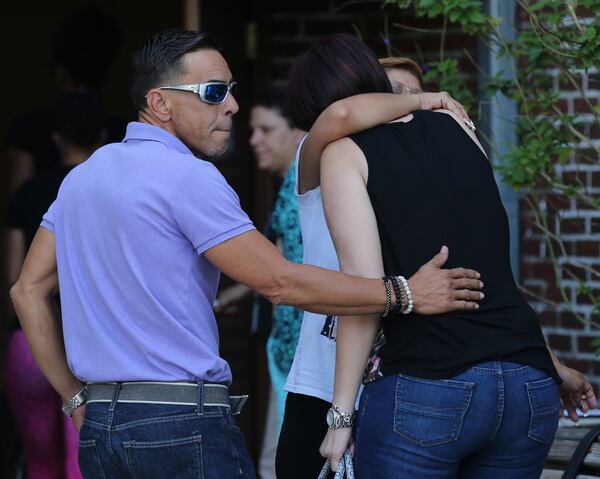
(147,441)
(496,420)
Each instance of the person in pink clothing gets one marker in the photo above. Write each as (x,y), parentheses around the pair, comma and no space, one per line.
(49,438)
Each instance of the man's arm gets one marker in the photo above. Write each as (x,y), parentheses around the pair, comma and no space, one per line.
(251,259)
(14,249)
(357,113)
(31,296)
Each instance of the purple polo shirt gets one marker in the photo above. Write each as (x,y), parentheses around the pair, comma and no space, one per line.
(131,225)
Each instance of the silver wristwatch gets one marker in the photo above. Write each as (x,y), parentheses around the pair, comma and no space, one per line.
(337,419)
(69,407)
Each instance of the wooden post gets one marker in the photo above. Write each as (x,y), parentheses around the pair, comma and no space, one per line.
(191,14)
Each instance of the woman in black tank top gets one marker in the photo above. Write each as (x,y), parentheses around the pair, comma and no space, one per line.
(469,394)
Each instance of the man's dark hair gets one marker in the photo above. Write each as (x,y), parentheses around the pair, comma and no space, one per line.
(336,67)
(85,46)
(274,98)
(80,120)
(160,60)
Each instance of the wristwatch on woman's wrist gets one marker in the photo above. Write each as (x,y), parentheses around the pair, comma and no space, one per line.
(337,419)
(80,398)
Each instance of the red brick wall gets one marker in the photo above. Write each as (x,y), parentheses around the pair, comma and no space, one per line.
(579,228)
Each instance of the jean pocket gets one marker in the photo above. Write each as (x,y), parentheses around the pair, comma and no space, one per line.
(544,403)
(431,412)
(232,422)
(180,458)
(89,460)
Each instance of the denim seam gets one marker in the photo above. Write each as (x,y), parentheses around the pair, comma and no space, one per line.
(87,442)
(500,414)
(531,415)
(534,386)
(522,369)
(110,418)
(446,382)
(362,414)
(196,440)
(539,384)
(133,444)
(448,413)
(160,420)
(458,418)
(237,454)
(92,443)
(200,458)
(96,425)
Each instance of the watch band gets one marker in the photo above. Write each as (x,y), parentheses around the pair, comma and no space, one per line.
(338,419)
(72,404)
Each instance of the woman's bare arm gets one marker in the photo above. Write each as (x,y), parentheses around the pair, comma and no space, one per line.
(353,228)
(358,113)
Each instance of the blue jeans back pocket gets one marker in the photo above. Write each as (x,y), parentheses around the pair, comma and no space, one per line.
(430,412)
(89,460)
(177,458)
(544,402)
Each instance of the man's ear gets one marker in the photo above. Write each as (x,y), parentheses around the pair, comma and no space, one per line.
(158,104)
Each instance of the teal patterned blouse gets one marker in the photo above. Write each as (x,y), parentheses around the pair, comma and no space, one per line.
(285,223)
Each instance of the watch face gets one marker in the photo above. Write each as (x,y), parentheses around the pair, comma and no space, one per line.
(330,418)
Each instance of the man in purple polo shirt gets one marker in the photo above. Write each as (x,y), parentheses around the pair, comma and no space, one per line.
(136,239)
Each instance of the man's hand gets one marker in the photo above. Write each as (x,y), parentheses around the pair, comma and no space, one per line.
(575,392)
(78,417)
(442,100)
(436,290)
(335,443)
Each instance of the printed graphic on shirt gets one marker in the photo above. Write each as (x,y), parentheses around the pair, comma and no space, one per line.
(330,327)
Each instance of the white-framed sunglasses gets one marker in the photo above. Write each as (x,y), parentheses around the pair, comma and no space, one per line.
(213,92)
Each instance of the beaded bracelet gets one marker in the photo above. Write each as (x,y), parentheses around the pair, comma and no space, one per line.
(388,296)
(411,303)
(401,300)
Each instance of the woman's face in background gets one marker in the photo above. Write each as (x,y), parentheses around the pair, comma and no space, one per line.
(403,81)
(273,141)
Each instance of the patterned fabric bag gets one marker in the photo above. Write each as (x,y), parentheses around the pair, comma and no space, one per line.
(345,469)
(373,369)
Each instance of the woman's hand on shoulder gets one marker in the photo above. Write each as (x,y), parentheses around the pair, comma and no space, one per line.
(443,101)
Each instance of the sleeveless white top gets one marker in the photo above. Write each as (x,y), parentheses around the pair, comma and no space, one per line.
(313,369)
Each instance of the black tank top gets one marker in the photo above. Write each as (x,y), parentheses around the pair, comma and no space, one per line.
(430,185)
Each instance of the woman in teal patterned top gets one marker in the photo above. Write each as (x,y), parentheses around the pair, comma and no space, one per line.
(274,142)
(281,346)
